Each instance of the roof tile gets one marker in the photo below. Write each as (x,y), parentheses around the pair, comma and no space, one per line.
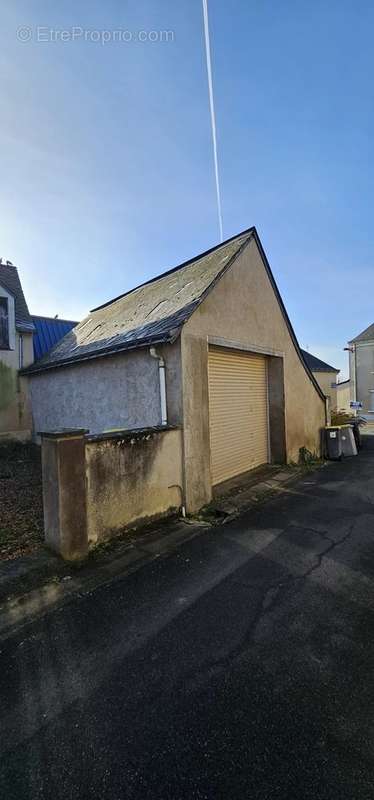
(153,312)
(316,365)
(366,336)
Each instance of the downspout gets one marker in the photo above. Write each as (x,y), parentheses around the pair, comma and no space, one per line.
(353,376)
(164,414)
(327,411)
(162,379)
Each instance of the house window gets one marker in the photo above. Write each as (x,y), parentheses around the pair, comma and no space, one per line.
(4,324)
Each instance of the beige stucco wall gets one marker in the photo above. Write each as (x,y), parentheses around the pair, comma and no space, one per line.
(132,479)
(324,380)
(343,395)
(15,413)
(77,396)
(241,308)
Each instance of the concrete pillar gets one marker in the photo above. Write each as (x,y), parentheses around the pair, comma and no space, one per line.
(64,492)
(196,434)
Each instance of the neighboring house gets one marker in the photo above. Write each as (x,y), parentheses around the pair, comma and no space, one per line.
(361,370)
(23,339)
(343,395)
(236,381)
(16,351)
(325,375)
(49,331)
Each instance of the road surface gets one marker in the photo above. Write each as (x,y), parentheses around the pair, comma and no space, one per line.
(241,666)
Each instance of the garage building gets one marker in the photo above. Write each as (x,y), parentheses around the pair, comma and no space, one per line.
(207,347)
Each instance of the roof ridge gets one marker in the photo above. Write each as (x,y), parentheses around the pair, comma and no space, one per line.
(326,367)
(362,334)
(55,319)
(205,253)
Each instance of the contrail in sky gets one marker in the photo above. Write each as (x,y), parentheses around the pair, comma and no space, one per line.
(212,114)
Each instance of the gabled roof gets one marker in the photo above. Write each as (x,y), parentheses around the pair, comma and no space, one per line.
(155,311)
(9,279)
(152,313)
(49,331)
(316,365)
(366,336)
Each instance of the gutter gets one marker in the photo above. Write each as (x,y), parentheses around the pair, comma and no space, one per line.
(70,361)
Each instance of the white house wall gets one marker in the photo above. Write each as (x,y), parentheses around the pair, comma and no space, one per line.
(10,357)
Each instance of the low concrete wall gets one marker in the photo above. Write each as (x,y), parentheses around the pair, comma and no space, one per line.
(131,476)
(94,486)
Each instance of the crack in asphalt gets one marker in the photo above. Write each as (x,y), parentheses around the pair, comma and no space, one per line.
(333,544)
(269,600)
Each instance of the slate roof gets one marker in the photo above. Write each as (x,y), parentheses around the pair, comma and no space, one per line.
(49,331)
(316,365)
(149,314)
(10,280)
(366,336)
(155,311)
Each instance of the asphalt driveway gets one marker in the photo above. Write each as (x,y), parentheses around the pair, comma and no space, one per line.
(241,666)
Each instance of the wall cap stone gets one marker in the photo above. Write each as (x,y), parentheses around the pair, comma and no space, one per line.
(63,433)
(130,433)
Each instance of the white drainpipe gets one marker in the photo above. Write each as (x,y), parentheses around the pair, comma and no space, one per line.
(161,372)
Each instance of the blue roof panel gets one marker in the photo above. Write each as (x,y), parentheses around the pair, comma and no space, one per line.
(49,331)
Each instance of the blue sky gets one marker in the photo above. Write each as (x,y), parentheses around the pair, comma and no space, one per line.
(106,156)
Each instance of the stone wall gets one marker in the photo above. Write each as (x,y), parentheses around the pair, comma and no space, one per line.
(131,477)
(96,486)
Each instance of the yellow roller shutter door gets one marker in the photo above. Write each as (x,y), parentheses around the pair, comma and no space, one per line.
(238,411)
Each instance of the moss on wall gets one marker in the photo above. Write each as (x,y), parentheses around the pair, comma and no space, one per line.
(8,385)
(131,477)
